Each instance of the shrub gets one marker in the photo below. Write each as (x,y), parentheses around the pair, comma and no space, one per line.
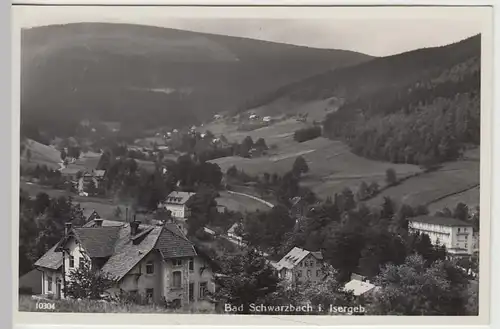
(306,134)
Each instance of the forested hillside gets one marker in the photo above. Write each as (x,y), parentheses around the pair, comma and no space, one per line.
(418,107)
(145,76)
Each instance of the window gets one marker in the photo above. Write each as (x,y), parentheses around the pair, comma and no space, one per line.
(150,268)
(81,263)
(191,291)
(459,230)
(466,245)
(318,272)
(177,262)
(177,279)
(191,264)
(71,261)
(49,283)
(203,290)
(308,273)
(149,294)
(299,274)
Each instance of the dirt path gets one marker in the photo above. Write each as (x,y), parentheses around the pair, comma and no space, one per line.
(269,204)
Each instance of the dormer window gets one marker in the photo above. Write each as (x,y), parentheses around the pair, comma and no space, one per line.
(177,262)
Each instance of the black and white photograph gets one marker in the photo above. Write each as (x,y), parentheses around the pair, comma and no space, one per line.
(190,161)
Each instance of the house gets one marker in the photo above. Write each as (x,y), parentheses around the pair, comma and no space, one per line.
(70,173)
(360,287)
(300,265)
(176,203)
(157,262)
(266,119)
(221,209)
(94,177)
(231,233)
(454,234)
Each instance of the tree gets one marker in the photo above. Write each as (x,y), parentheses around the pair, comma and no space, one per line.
(261,144)
(118,212)
(246,146)
(390,177)
(414,288)
(63,155)
(300,166)
(244,279)
(461,211)
(363,191)
(232,171)
(86,283)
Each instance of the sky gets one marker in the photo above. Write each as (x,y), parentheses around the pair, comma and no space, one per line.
(374,34)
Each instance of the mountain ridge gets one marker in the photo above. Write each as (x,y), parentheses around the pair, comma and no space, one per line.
(112,72)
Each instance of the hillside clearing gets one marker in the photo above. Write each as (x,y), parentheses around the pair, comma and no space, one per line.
(40,154)
(240,203)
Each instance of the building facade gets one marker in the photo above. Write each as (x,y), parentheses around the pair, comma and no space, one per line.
(157,263)
(454,234)
(176,203)
(300,266)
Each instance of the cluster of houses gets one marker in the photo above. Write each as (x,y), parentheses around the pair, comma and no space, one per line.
(157,261)
(83,180)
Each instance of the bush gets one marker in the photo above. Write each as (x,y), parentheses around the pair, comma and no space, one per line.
(306,134)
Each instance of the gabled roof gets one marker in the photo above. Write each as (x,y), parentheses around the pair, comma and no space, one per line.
(113,240)
(444,221)
(358,287)
(90,214)
(178,198)
(97,241)
(295,256)
(51,259)
(172,243)
(99,173)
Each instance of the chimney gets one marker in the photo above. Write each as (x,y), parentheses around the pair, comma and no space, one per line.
(134,226)
(98,222)
(67,228)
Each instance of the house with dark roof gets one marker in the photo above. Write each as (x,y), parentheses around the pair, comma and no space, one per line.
(456,235)
(301,265)
(176,203)
(157,262)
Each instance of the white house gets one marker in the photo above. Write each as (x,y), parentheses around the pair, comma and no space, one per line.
(454,234)
(176,203)
(301,265)
(157,262)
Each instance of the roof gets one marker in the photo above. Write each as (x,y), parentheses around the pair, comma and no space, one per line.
(70,170)
(97,241)
(444,221)
(358,287)
(178,197)
(113,240)
(87,213)
(99,173)
(51,259)
(295,256)
(172,243)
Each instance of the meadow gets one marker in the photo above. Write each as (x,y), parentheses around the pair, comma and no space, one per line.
(333,167)
(239,203)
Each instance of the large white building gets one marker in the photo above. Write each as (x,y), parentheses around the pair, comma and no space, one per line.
(176,203)
(454,234)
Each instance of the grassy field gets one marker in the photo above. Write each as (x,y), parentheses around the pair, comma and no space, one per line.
(333,167)
(28,304)
(433,186)
(240,203)
(40,155)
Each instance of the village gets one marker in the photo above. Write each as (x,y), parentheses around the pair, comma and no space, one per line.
(155,258)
